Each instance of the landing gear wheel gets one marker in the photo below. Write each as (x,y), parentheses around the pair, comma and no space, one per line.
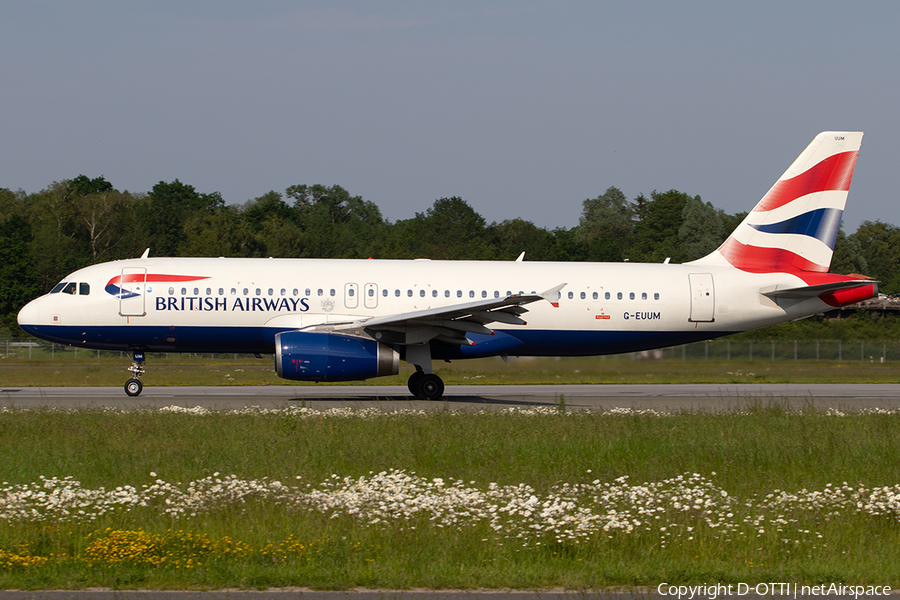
(429,387)
(133,387)
(413,380)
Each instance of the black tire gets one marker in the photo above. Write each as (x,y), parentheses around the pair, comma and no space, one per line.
(413,380)
(430,387)
(134,387)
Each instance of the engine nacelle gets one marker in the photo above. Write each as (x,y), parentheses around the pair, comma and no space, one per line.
(316,356)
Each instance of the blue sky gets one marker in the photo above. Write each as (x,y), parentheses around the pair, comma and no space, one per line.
(522,108)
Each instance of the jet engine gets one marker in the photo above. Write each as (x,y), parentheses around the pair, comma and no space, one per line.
(317,356)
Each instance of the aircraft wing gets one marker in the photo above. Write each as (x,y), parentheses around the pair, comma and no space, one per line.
(451,323)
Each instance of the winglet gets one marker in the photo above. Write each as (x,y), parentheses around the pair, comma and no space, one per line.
(552,295)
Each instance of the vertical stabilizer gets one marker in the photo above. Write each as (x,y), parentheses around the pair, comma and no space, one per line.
(794,226)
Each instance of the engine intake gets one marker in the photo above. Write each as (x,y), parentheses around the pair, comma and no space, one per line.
(313,356)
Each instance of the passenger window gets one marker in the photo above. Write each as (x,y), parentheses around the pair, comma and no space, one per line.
(331,292)
(459,293)
(471,293)
(384,292)
(319,292)
(221,291)
(643,295)
(208,292)
(258,292)
(656,296)
(58,287)
(171,291)
(508,293)
(446,293)
(619,295)
(396,293)
(571,295)
(234,291)
(631,296)
(434,293)
(496,293)
(484,293)
(583,295)
(350,292)
(84,289)
(409,293)
(184,291)
(307,292)
(606,296)
(371,293)
(422,293)
(595,296)
(196,291)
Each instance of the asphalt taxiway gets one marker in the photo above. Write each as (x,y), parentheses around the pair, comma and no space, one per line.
(662,397)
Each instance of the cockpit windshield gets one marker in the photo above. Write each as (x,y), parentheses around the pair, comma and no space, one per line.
(72,288)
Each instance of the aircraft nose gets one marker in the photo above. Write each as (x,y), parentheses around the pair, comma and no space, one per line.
(30,314)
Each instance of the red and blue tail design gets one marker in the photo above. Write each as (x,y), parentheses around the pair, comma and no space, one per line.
(794,226)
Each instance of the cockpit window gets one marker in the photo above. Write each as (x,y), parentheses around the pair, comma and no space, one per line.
(69,289)
(84,289)
(58,287)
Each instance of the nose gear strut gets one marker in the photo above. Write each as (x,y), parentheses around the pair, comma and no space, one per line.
(133,386)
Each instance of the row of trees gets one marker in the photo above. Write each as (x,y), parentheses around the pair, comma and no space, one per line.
(77,222)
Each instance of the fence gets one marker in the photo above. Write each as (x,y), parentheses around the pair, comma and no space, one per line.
(35,349)
(874,351)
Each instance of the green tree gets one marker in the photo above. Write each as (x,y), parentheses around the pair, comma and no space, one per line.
(334,223)
(656,233)
(449,230)
(606,225)
(169,208)
(848,255)
(880,244)
(512,237)
(18,276)
(701,230)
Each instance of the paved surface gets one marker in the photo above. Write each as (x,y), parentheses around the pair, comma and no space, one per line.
(472,397)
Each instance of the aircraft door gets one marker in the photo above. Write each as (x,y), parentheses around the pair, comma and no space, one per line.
(351,295)
(371,295)
(132,287)
(703,298)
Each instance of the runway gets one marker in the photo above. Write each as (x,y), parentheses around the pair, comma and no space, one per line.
(661,397)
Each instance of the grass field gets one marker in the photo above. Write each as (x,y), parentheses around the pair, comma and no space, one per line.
(85,370)
(528,499)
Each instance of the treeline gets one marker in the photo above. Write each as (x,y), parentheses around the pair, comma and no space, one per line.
(82,221)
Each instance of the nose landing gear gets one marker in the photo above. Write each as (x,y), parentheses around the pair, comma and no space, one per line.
(133,386)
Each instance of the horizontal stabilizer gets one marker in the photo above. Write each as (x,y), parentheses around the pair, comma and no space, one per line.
(811,291)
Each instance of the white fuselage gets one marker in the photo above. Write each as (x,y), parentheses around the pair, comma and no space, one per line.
(238,305)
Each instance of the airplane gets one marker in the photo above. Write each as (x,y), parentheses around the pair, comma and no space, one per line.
(346,320)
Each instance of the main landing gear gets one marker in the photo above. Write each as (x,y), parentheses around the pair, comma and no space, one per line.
(425,386)
(134,387)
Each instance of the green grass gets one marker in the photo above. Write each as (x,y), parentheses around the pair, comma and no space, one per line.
(752,454)
(87,370)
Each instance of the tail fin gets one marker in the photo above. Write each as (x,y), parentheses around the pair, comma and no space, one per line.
(794,226)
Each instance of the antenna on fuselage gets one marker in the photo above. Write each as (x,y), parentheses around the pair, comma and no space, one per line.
(146,253)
